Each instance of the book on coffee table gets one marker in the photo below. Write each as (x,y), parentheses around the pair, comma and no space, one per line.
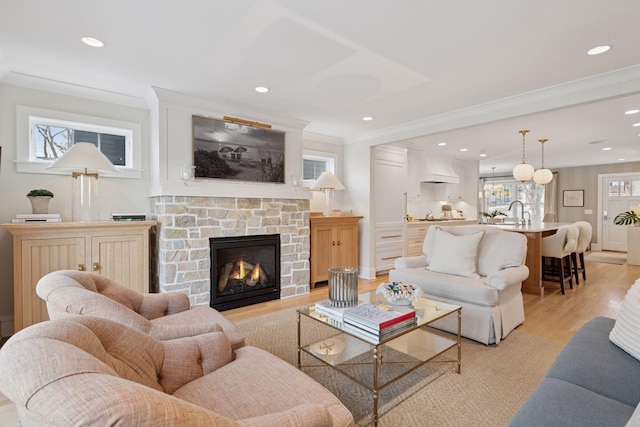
(366,333)
(325,307)
(377,314)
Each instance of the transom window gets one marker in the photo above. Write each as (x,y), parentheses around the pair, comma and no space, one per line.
(45,135)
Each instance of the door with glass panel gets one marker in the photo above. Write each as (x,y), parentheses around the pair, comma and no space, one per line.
(619,193)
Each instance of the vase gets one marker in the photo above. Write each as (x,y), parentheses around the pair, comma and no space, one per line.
(40,204)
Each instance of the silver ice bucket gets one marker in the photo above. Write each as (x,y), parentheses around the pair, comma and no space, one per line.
(343,286)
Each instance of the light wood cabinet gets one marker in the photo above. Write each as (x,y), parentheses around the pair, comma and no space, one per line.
(118,250)
(416,233)
(334,243)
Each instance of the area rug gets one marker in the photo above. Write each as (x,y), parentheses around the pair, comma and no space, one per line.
(615,258)
(494,382)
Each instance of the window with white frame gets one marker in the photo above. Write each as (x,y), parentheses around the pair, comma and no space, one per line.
(45,135)
(313,166)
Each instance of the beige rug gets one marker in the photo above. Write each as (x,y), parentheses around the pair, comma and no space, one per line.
(494,382)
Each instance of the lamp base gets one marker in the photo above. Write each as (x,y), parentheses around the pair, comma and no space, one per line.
(85,198)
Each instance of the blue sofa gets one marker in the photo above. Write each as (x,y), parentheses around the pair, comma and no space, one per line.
(592,382)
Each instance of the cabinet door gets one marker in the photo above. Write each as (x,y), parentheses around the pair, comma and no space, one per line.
(39,257)
(120,258)
(323,243)
(347,245)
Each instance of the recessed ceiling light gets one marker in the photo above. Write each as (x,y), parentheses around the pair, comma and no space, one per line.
(606,149)
(632,112)
(367,118)
(262,89)
(483,155)
(92,41)
(442,144)
(621,160)
(636,124)
(598,50)
(464,149)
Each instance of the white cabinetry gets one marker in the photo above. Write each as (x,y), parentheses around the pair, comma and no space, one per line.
(389,180)
(453,192)
(389,245)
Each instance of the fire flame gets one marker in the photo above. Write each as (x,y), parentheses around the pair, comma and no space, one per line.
(255,274)
(241,273)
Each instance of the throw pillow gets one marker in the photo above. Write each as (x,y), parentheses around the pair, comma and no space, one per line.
(455,254)
(626,332)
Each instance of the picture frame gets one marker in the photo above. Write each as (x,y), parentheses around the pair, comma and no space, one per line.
(573,198)
(228,150)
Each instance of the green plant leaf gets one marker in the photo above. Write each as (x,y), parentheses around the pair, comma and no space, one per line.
(626,218)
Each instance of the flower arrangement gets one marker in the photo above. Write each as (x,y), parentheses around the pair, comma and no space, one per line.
(395,291)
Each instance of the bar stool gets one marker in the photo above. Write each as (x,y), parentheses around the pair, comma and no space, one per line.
(559,247)
(584,240)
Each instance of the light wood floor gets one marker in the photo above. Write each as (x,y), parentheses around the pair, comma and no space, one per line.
(554,316)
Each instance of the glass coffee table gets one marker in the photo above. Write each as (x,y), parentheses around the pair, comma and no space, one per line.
(373,363)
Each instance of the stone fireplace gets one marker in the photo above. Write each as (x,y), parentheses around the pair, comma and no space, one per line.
(182,253)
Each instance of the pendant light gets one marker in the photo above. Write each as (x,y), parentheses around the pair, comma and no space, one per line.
(542,175)
(524,171)
(493,180)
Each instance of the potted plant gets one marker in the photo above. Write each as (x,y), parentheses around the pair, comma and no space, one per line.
(40,199)
(627,218)
(493,216)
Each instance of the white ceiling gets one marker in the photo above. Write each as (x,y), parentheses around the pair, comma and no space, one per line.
(471,73)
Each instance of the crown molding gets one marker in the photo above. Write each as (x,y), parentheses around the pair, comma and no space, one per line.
(612,84)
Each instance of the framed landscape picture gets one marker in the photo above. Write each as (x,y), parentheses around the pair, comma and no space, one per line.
(226,150)
(573,198)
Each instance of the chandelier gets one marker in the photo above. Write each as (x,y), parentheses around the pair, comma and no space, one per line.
(542,175)
(524,171)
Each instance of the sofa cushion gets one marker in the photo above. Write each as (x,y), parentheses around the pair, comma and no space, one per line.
(455,254)
(498,249)
(559,403)
(593,362)
(626,332)
(444,285)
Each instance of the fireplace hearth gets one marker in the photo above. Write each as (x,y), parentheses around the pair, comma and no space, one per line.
(245,270)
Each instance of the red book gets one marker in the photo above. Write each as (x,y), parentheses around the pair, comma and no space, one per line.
(378,314)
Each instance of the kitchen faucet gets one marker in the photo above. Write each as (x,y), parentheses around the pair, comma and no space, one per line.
(522,221)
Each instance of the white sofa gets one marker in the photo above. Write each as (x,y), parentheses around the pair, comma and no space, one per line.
(480,268)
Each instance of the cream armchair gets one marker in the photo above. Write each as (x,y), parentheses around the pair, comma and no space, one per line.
(86,370)
(163,316)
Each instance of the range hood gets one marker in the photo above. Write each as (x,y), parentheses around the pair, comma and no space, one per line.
(438,169)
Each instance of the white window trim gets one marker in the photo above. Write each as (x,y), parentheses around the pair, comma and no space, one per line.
(321,156)
(25,163)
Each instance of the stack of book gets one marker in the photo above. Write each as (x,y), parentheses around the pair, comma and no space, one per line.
(378,320)
(37,218)
(325,307)
(126,216)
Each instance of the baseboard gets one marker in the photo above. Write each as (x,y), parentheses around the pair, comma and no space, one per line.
(6,326)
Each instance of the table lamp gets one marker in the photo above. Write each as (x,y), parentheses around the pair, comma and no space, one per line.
(84,161)
(329,183)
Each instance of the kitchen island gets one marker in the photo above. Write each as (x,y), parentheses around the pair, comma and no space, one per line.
(534,233)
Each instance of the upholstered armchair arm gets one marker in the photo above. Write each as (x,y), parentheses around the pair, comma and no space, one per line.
(500,280)
(165,332)
(158,305)
(187,359)
(411,262)
(109,400)
(308,415)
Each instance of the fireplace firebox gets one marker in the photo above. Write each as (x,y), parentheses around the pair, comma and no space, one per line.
(245,270)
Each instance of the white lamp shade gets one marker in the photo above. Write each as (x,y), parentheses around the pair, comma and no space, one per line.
(523,172)
(84,156)
(543,176)
(327,181)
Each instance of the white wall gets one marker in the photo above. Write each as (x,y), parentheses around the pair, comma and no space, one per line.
(117,194)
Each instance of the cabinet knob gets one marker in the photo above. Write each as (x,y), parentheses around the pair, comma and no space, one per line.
(339,242)
(81,267)
(96,266)
(333,243)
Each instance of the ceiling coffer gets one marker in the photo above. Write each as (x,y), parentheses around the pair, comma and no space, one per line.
(438,169)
